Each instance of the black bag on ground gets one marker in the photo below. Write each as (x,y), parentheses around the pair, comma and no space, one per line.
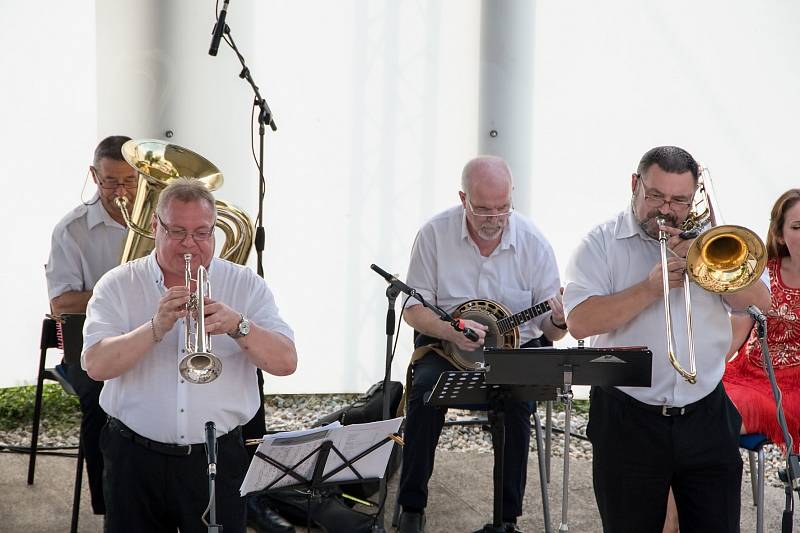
(330,511)
(327,511)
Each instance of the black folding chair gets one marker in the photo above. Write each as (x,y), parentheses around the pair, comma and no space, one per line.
(71,328)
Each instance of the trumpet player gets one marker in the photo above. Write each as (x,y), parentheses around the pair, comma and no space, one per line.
(679,433)
(153,443)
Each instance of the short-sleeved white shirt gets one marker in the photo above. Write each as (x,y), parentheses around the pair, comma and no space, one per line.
(448,269)
(151,398)
(86,244)
(617,255)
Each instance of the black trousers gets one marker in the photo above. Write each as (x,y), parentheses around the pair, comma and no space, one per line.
(424,426)
(638,454)
(93,418)
(150,491)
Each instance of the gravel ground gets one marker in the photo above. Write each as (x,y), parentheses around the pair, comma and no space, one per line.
(292,412)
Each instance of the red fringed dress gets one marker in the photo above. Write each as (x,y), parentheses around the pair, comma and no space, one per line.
(745,378)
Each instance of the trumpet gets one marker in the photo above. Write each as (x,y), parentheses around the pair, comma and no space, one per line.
(199,365)
(722,259)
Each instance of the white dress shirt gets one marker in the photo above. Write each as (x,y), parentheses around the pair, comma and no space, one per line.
(447,268)
(152,398)
(86,244)
(617,255)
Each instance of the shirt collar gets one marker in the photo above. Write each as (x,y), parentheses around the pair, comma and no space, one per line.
(96,214)
(508,239)
(628,226)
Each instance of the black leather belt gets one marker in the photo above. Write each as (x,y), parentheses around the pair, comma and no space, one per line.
(176,450)
(663,410)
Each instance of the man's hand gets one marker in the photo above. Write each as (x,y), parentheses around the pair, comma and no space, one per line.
(220,318)
(557,308)
(459,339)
(679,246)
(171,307)
(675,269)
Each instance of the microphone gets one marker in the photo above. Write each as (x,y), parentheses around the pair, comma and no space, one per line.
(756,313)
(211,449)
(219,29)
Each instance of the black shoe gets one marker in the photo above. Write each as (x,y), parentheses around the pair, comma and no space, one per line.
(511,527)
(264,519)
(411,523)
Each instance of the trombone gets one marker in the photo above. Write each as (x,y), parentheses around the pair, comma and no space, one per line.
(722,259)
(199,365)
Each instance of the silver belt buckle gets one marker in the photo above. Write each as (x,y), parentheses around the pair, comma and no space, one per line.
(665,413)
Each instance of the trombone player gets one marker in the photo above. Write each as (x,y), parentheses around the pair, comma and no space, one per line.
(675,433)
(153,443)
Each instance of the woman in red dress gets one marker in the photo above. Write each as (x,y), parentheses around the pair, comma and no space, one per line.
(745,378)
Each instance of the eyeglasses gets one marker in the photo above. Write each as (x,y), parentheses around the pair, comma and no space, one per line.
(490,213)
(657,200)
(181,234)
(131,183)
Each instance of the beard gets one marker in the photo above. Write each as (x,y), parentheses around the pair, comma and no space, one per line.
(650,226)
(490,230)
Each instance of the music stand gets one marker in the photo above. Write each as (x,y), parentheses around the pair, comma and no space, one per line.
(469,388)
(624,366)
(319,478)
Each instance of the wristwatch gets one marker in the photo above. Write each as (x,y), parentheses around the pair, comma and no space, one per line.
(241,330)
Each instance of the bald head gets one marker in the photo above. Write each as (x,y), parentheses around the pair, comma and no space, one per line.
(489,170)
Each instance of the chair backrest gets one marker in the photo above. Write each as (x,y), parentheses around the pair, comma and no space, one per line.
(49,337)
(72,332)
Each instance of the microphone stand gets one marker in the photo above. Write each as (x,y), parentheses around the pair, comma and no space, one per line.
(211,454)
(790,476)
(264,118)
(392,292)
(456,323)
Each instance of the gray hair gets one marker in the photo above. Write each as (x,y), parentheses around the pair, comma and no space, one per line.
(488,162)
(110,148)
(185,190)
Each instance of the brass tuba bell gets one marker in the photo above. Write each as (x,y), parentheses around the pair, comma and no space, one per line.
(158,163)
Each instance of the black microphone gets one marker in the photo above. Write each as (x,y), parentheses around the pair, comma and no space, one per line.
(219,29)
(211,449)
(756,313)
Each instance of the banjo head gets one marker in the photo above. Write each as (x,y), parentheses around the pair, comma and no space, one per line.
(484,312)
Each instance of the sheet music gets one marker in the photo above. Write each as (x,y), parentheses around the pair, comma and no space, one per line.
(290,447)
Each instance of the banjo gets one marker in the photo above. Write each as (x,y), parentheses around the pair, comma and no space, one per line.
(503,329)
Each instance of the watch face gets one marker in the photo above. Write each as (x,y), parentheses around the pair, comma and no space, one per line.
(244,326)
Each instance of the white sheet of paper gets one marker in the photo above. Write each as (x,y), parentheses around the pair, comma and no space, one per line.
(290,447)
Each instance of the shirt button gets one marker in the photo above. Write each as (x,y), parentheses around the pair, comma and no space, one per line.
(183,381)
(181,410)
(183,350)
(182,436)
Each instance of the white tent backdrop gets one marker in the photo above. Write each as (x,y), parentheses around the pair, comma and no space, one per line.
(376,105)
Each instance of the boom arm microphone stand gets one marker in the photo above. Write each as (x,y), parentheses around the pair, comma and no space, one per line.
(264,118)
(392,292)
(790,476)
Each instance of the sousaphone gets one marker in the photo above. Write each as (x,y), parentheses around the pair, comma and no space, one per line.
(158,163)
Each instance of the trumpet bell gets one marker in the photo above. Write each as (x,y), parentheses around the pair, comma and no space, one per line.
(726,259)
(200,367)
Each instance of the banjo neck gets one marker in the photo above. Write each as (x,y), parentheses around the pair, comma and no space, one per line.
(508,323)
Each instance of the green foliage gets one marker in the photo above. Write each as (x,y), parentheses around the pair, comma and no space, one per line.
(578,406)
(58,407)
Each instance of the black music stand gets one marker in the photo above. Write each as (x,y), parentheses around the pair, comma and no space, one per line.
(625,366)
(468,388)
(319,479)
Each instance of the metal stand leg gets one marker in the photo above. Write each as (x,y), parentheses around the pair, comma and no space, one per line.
(548,432)
(760,491)
(542,474)
(566,397)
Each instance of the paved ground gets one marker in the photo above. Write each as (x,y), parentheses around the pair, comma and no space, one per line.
(460,497)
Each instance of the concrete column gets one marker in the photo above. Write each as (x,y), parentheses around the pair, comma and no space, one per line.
(506,90)
(155,79)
